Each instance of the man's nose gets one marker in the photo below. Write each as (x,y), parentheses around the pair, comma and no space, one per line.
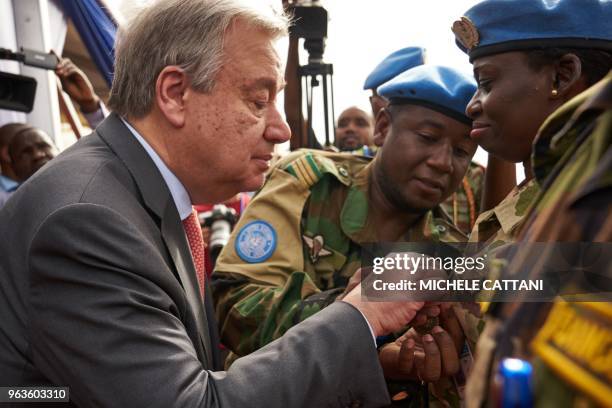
(39,153)
(441,158)
(277,129)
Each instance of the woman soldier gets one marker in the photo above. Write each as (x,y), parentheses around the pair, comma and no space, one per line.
(530,58)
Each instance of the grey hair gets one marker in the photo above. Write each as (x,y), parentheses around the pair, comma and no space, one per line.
(185,33)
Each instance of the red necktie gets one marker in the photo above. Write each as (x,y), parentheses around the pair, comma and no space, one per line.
(196,245)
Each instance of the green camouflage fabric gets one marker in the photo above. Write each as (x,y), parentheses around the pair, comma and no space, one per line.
(569,344)
(464,205)
(494,228)
(317,203)
(500,224)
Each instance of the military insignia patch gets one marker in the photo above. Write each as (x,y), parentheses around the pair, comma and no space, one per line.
(256,242)
(576,342)
(466,33)
(315,246)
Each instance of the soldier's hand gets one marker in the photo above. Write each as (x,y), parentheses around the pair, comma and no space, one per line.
(451,324)
(431,310)
(76,84)
(397,359)
(414,357)
(438,357)
(472,307)
(383,317)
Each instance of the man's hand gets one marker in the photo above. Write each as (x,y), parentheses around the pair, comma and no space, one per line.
(383,317)
(429,310)
(76,84)
(414,357)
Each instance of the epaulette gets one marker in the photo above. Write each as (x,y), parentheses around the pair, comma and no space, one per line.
(309,166)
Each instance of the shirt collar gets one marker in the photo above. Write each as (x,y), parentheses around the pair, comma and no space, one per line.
(561,132)
(511,212)
(8,184)
(177,190)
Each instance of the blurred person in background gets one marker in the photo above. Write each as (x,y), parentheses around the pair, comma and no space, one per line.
(76,84)
(8,179)
(29,150)
(354,132)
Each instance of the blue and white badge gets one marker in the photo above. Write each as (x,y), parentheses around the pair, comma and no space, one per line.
(256,242)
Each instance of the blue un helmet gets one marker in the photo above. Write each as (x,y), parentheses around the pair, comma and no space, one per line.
(496,26)
(393,65)
(439,88)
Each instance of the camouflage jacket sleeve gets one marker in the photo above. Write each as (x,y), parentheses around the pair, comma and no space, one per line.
(261,286)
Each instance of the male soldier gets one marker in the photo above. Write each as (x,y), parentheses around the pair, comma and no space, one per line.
(354,132)
(464,204)
(330,204)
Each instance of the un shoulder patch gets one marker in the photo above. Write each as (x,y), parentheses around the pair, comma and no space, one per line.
(256,241)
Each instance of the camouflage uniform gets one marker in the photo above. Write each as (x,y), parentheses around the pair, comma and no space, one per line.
(493,228)
(317,203)
(464,205)
(570,344)
(501,223)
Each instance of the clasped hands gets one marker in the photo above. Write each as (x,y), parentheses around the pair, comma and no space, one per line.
(421,353)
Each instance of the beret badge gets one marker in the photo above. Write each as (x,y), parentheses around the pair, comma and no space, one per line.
(466,33)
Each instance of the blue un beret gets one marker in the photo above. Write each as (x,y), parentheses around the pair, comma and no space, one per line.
(442,89)
(393,65)
(496,26)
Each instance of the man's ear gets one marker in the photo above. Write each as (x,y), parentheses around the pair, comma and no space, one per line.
(170,87)
(4,155)
(567,74)
(382,126)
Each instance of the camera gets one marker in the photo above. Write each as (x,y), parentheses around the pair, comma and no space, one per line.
(220,220)
(17,92)
(311,24)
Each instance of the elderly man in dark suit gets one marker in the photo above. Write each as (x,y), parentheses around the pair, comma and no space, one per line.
(98,289)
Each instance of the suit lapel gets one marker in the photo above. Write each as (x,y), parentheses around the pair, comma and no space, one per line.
(213,330)
(157,198)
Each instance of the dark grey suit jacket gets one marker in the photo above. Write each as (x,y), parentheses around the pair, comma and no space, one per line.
(98,293)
